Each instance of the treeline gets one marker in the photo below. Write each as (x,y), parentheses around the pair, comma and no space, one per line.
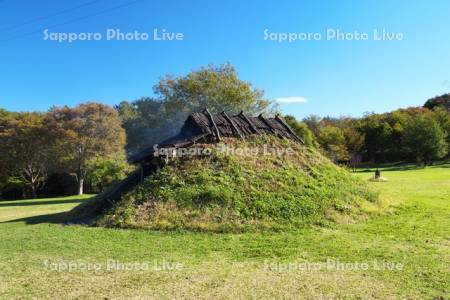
(54,153)
(419,134)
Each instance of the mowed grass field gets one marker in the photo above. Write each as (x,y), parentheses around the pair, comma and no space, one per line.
(401,254)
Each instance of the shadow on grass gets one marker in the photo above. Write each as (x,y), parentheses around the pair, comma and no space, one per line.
(56,218)
(62,217)
(37,202)
(389,169)
(446,166)
(401,167)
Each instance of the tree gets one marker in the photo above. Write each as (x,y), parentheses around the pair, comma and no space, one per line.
(377,134)
(302,130)
(425,139)
(354,141)
(217,88)
(4,116)
(332,140)
(439,101)
(442,117)
(103,172)
(84,132)
(146,123)
(314,124)
(27,149)
(149,120)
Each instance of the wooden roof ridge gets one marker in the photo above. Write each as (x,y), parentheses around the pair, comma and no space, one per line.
(211,119)
(233,125)
(250,123)
(261,117)
(288,128)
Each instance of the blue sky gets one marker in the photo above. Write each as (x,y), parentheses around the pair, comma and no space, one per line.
(336,77)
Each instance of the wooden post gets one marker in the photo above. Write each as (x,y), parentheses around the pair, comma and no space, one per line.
(377,174)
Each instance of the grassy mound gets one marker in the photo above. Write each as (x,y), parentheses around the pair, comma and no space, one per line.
(278,186)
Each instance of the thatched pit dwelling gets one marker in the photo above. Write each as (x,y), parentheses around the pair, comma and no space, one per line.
(201,127)
(220,193)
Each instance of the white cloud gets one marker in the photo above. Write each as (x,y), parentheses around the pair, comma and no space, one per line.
(290,100)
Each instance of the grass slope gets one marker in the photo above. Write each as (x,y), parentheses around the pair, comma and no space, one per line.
(230,266)
(230,192)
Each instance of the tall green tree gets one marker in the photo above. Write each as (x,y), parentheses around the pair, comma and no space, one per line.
(442,117)
(217,88)
(425,139)
(84,132)
(149,120)
(377,133)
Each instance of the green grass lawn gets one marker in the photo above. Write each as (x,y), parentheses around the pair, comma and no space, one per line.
(414,236)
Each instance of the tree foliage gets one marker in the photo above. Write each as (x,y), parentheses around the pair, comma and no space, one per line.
(146,123)
(302,131)
(216,88)
(84,132)
(332,140)
(425,139)
(379,138)
(27,146)
(103,172)
(442,101)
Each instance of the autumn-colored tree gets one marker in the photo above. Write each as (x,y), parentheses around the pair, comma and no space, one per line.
(26,149)
(84,132)
(4,116)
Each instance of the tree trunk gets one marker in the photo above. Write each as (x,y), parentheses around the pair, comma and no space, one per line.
(33,191)
(80,185)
